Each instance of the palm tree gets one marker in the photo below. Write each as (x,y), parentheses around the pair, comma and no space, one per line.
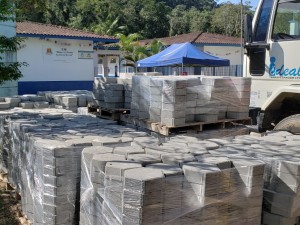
(155,47)
(133,51)
(109,27)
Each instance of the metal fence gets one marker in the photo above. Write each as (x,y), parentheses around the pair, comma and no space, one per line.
(234,70)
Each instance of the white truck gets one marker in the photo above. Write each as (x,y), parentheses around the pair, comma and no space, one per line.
(272,60)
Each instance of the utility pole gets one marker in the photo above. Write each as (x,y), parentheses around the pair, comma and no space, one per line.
(242,49)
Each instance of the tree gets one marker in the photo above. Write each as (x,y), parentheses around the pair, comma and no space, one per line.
(152,15)
(198,4)
(179,21)
(133,51)
(109,27)
(8,70)
(231,26)
(199,20)
(59,12)
(31,10)
(155,47)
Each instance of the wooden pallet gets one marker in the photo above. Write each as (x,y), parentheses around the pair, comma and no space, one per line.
(196,126)
(9,187)
(111,114)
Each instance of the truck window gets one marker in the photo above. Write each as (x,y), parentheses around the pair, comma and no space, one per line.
(261,27)
(287,19)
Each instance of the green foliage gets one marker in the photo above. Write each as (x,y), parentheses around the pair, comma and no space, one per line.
(199,20)
(6,10)
(149,18)
(109,26)
(8,46)
(155,47)
(231,26)
(60,12)
(198,4)
(31,10)
(179,20)
(133,51)
(153,14)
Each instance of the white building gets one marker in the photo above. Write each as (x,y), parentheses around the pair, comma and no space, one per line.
(58,58)
(215,44)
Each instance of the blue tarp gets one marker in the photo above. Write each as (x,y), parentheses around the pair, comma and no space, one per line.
(184,53)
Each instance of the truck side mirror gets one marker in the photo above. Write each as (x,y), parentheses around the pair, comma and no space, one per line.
(248,33)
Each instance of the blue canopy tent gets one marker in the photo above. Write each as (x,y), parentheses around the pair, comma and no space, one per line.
(184,53)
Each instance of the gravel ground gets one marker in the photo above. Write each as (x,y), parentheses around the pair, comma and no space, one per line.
(7,208)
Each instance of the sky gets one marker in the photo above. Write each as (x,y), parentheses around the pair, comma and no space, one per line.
(253,3)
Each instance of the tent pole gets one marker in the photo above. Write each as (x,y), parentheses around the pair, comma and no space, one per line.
(182,69)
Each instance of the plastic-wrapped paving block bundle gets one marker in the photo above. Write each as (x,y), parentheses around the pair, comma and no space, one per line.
(214,190)
(109,92)
(43,160)
(176,101)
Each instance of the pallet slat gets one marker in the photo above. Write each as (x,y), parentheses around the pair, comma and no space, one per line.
(112,114)
(198,126)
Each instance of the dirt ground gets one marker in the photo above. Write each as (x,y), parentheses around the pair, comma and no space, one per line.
(8,207)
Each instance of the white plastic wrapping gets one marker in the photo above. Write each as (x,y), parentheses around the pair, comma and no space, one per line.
(44,160)
(185,189)
(176,101)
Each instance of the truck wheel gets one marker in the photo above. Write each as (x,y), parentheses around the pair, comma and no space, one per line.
(291,124)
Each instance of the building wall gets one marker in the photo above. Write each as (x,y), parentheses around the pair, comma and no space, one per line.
(105,62)
(10,88)
(227,52)
(56,64)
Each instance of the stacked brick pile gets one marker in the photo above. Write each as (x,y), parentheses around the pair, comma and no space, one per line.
(147,183)
(112,93)
(176,101)
(70,100)
(121,176)
(42,155)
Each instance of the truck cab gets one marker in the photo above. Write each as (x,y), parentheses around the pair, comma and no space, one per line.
(272,60)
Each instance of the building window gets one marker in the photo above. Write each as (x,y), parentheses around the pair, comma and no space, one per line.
(113,60)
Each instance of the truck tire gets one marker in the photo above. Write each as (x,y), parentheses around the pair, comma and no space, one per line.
(291,124)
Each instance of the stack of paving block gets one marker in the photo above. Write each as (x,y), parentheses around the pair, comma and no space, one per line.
(281,195)
(174,102)
(127,83)
(211,106)
(56,97)
(44,156)
(279,152)
(9,102)
(194,99)
(156,95)
(70,100)
(226,196)
(140,105)
(177,101)
(4,105)
(108,93)
(116,187)
(232,95)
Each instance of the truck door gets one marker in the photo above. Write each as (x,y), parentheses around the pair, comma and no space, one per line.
(285,42)
(273,56)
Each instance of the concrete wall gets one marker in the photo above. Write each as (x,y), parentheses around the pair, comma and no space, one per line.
(107,68)
(56,64)
(226,52)
(9,30)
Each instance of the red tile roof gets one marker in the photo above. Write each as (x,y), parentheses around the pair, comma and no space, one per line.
(209,38)
(190,37)
(39,29)
(197,38)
